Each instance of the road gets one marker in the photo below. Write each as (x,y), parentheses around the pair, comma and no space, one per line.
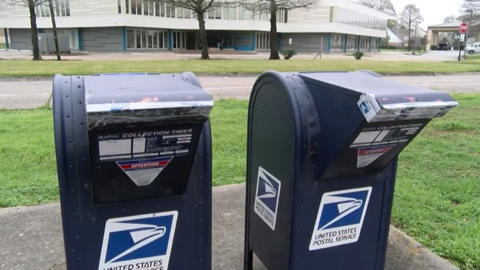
(22,94)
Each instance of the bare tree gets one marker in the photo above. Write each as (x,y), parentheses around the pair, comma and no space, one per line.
(384,6)
(30,4)
(393,24)
(410,16)
(450,19)
(272,7)
(199,7)
(466,6)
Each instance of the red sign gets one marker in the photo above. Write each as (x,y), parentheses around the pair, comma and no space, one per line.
(463,28)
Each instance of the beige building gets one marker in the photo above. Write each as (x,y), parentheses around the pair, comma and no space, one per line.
(154,25)
(434,37)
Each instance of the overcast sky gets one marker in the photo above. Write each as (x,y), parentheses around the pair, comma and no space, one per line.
(433,11)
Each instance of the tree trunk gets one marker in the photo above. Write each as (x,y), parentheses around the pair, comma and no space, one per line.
(54,27)
(273,32)
(409,36)
(203,35)
(34,31)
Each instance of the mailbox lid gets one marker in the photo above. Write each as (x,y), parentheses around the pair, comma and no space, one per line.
(385,100)
(127,99)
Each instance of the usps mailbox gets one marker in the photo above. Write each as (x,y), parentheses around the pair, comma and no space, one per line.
(321,166)
(134,171)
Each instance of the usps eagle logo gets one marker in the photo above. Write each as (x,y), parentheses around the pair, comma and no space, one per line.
(138,242)
(267,196)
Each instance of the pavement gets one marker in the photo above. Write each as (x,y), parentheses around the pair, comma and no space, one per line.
(31,238)
(23,93)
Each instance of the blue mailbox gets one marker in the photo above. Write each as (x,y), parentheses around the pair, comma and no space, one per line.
(321,165)
(134,168)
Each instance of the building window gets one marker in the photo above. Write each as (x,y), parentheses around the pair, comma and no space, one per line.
(364,43)
(263,41)
(147,39)
(179,40)
(61,8)
(229,11)
(74,39)
(351,43)
(374,44)
(337,43)
(281,16)
(345,16)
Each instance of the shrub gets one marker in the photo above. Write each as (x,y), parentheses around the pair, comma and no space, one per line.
(288,53)
(358,55)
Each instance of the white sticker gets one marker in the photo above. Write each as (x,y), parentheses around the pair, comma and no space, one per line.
(115,147)
(367,155)
(144,171)
(368,106)
(340,218)
(372,111)
(267,196)
(142,242)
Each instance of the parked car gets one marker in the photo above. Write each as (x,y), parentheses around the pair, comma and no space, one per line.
(473,48)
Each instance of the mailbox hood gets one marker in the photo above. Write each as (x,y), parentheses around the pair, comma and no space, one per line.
(385,100)
(130,99)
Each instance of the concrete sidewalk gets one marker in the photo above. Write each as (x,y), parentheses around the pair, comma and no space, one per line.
(31,238)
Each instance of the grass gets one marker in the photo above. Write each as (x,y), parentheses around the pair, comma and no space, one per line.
(473,56)
(438,184)
(437,199)
(28,165)
(2,46)
(394,50)
(49,68)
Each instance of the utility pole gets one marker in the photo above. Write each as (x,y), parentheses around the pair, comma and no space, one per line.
(468,31)
(416,35)
(54,26)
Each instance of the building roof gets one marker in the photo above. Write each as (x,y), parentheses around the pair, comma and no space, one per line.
(400,32)
(393,37)
(452,24)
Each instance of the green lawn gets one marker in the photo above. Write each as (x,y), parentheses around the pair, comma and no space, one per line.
(2,46)
(49,68)
(473,56)
(437,197)
(394,50)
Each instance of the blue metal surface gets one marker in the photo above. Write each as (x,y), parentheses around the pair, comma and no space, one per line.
(90,242)
(80,39)
(329,45)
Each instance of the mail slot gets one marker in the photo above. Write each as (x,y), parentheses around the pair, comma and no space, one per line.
(134,165)
(321,165)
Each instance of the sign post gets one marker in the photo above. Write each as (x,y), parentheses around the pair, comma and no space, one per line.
(463,30)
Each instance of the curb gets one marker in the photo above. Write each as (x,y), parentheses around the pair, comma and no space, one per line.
(233,75)
(417,253)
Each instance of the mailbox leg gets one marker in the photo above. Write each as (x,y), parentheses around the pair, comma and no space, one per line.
(248,252)
(248,263)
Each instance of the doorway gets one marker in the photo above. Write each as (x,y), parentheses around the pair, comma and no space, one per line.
(191,41)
